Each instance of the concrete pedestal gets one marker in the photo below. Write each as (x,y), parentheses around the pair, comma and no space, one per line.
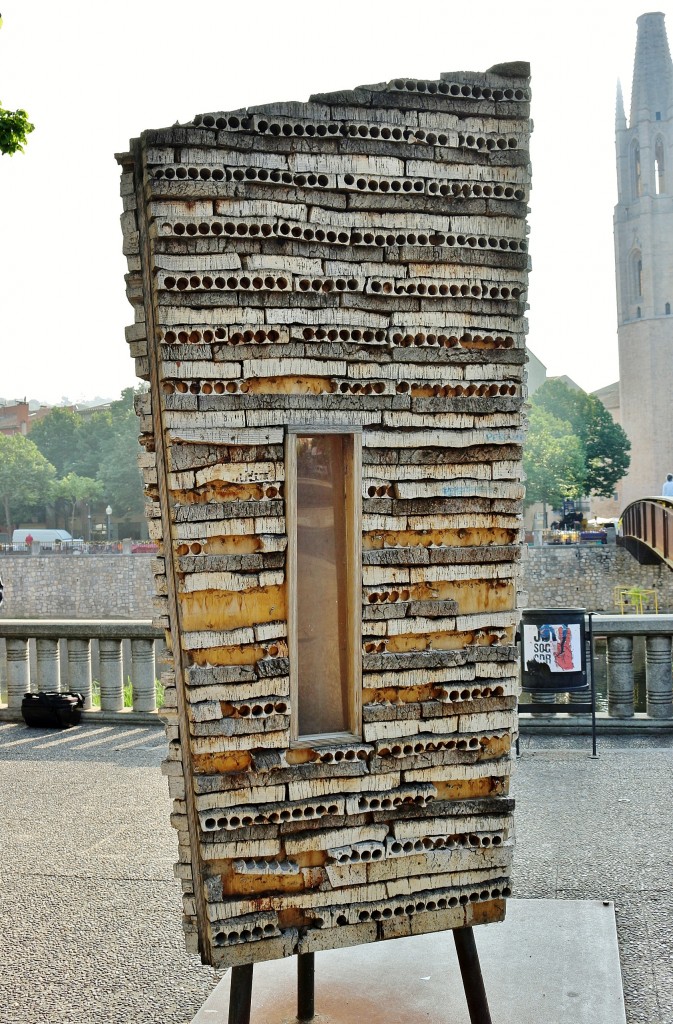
(551,960)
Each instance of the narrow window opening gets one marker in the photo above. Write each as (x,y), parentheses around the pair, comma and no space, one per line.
(657,116)
(636,287)
(659,175)
(637,183)
(667,309)
(638,313)
(325,582)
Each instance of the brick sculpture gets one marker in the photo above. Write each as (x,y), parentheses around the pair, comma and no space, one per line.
(329,303)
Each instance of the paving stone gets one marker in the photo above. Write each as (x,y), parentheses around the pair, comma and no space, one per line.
(90,914)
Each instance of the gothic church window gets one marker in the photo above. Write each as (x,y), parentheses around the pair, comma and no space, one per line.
(636,274)
(659,177)
(637,181)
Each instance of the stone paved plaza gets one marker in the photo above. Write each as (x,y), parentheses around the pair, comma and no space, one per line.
(90,912)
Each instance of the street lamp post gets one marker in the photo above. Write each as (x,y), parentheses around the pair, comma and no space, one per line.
(108,513)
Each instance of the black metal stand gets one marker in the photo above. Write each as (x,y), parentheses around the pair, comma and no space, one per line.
(470,970)
(240,992)
(593,685)
(305,986)
(573,707)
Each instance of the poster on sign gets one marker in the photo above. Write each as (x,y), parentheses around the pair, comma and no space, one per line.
(552,647)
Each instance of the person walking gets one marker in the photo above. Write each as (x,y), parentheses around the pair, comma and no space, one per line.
(667,487)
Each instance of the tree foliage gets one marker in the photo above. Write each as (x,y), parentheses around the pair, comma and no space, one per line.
(74,490)
(118,470)
(26,479)
(102,446)
(553,460)
(58,436)
(14,130)
(605,444)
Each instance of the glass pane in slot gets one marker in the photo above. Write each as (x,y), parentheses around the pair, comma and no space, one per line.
(321,585)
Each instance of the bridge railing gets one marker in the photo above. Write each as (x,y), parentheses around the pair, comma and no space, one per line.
(649,522)
(55,641)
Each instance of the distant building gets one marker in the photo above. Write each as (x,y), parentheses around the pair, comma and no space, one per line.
(89,410)
(536,373)
(14,418)
(642,400)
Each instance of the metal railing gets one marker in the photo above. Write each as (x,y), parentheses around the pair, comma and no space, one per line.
(76,635)
(79,547)
(646,529)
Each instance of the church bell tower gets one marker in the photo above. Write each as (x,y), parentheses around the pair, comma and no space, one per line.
(643,231)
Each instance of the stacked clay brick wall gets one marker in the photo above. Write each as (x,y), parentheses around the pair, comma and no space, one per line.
(357,266)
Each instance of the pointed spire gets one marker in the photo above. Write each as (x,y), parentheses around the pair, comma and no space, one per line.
(652,90)
(620,116)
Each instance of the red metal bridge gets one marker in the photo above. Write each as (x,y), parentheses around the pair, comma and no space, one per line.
(646,530)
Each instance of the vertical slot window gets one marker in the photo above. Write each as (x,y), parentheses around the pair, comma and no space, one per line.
(636,275)
(325,577)
(637,182)
(659,168)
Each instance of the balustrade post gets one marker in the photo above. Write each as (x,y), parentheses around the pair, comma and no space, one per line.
(111,675)
(658,676)
(620,676)
(540,697)
(18,671)
(143,675)
(48,665)
(584,696)
(79,669)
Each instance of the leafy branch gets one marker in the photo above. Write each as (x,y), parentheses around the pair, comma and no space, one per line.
(14,129)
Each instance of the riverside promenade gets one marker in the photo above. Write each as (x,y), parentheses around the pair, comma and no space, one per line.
(90,911)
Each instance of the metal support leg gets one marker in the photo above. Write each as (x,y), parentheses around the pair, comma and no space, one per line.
(240,994)
(592,680)
(305,986)
(470,969)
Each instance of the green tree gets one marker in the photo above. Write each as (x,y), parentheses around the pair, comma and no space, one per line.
(606,445)
(118,471)
(100,445)
(14,129)
(96,436)
(59,437)
(26,478)
(74,490)
(125,403)
(554,460)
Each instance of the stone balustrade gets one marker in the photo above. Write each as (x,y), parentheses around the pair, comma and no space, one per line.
(619,633)
(78,635)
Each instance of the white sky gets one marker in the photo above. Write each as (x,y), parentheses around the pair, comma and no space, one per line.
(92,75)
